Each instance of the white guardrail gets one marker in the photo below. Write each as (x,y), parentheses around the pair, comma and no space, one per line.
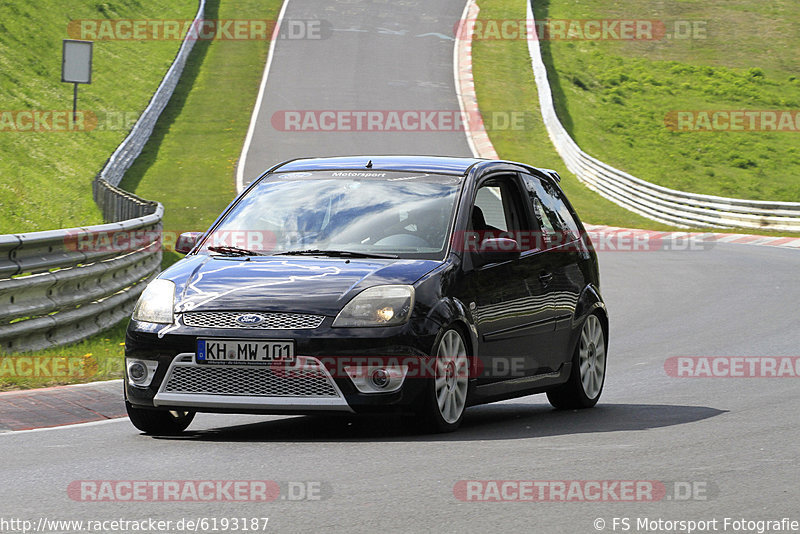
(650,200)
(61,286)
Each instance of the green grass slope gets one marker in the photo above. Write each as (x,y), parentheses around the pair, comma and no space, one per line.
(45,177)
(613,95)
(504,81)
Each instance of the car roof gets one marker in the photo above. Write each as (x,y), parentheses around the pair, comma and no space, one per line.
(433,164)
(429,164)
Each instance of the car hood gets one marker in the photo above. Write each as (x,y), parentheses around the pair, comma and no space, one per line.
(283,284)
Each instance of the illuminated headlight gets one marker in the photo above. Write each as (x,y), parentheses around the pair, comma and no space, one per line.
(156,303)
(378,306)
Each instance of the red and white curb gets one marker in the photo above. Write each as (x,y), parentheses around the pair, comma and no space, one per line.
(761,240)
(477,138)
(638,235)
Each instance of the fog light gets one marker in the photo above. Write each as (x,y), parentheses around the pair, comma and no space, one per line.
(374,379)
(380,378)
(138,371)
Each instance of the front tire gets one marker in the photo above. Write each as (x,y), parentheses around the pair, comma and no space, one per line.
(445,397)
(159,422)
(585,383)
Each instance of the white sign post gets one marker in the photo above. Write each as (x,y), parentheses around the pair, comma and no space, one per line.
(76,66)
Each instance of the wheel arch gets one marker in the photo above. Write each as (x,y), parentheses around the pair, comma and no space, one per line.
(450,311)
(590,302)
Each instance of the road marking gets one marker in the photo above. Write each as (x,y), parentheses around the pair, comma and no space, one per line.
(254,117)
(61,427)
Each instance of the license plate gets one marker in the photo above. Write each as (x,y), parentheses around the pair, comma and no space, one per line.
(240,352)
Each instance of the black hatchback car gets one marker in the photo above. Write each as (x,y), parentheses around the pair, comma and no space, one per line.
(418,285)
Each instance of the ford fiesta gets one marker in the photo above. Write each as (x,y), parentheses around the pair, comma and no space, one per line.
(417,285)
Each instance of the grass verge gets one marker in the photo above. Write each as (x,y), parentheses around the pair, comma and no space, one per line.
(45,177)
(96,358)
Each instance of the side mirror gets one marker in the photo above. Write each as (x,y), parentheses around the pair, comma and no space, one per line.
(187,241)
(496,250)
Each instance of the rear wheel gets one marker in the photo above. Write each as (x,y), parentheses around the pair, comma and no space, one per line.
(446,396)
(588,374)
(165,423)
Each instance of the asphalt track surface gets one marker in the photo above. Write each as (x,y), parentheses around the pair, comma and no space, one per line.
(371,56)
(735,439)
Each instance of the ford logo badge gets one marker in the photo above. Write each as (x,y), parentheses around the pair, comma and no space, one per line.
(249,319)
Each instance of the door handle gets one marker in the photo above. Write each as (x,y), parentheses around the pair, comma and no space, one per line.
(545,278)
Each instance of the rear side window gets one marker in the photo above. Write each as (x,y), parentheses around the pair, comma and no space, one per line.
(557,223)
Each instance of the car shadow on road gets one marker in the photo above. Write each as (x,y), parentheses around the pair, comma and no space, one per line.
(488,422)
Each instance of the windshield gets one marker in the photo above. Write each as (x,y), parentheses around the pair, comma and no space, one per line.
(397,214)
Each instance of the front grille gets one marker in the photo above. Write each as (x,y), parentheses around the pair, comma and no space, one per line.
(271,321)
(251,381)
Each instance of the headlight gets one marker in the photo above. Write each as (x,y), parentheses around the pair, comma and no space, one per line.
(378,306)
(155,305)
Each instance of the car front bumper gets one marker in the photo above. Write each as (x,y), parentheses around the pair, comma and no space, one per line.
(321,381)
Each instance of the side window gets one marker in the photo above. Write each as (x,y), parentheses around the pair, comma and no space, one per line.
(498,211)
(558,225)
(489,202)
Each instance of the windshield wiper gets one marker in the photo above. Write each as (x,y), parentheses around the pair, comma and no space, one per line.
(234,251)
(334,254)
